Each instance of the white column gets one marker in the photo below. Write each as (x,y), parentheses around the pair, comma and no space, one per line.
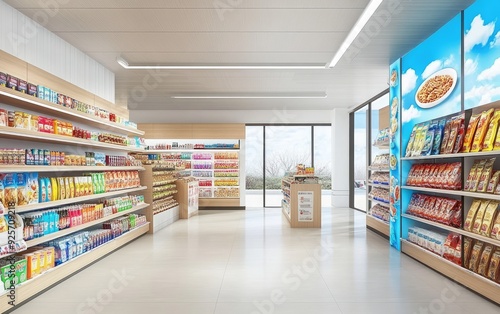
(340,158)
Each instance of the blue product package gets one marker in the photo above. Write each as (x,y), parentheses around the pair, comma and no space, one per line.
(438,137)
(429,140)
(41,92)
(47,94)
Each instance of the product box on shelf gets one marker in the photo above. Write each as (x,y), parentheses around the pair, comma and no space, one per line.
(19,273)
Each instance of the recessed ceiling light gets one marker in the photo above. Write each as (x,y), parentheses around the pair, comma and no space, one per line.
(274,66)
(360,23)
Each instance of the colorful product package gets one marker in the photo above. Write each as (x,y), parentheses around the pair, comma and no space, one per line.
(469,134)
(489,139)
(472,174)
(411,141)
(9,181)
(446,136)
(494,267)
(429,140)
(495,231)
(475,181)
(438,136)
(493,182)
(32,187)
(489,219)
(471,215)
(475,258)
(479,216)
(484,261)
(486,174)
(482,129)
(22,198)
(468,244)
(460,135)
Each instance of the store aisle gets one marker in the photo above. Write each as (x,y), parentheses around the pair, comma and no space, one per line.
(239,262)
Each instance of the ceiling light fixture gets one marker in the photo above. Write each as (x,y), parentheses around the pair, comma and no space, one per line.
(360,23)
(278,66)
(254,96)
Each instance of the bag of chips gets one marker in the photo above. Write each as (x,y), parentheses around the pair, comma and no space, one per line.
(489,139)
(493,182)
(484,261)
(471,215)
(471,175)
(475,258)
(489,219)
(460,135)
(455,126)
(446,136)
(494,267)
(482,129)
(475,181)
(429,140)
(468,244)
(411,141)
(438,137)
(479,216)
(485,177)
(469,134)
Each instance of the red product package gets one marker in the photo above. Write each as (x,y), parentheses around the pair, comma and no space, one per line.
(457,259)
(450,246)
(428,206)
(456,219)
(455,177)
(447,212)
(437,208)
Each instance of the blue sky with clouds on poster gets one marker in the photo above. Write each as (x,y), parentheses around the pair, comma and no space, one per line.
(482,53)
(441,50)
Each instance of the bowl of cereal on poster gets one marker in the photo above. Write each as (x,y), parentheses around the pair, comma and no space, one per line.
(394,78)
(393,162)
(394,107)
(436,88)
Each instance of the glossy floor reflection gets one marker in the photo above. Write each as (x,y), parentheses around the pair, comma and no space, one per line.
(252,262)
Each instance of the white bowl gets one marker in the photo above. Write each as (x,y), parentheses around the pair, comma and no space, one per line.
(447,71)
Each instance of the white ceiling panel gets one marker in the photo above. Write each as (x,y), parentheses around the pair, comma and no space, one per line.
(245,32)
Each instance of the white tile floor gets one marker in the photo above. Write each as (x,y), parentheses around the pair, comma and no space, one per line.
(251,262)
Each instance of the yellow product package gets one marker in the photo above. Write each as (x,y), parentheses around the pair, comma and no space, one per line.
(475,180)
(489,219)
(479,216)
(485,177)
(469,134)
(472,174)
(482,129)
(489,139)
(471,215)
(492,185)
(484,261)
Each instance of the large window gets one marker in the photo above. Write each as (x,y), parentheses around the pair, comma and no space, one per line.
(274,150)
(360,157)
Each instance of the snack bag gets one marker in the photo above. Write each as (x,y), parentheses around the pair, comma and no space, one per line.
(479,216)
(475,181)
(495,231)
(493,182)
(455,126)
(455,176)
(472,174)
(43,191)
(494,267)
(471,130)
(489,139)
(489,219)
(446,136)
(485,177)
(484,261)
(468,244)
(429,140)
(419,145)
(411,141)
(22,198)
(475,258)
(460,135)
(457,259)
(438,136)
(449,246)
(482,129)
(471,215)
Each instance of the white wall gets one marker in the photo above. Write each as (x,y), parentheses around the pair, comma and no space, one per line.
(30,41)
(231,116)
(340,158)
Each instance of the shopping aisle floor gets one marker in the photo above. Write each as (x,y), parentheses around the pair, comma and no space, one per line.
(251,262)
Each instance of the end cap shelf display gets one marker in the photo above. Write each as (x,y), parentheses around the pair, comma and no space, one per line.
(301,203)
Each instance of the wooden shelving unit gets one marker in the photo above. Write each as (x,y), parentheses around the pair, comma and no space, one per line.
(159,219)
(20,168)
(37,285)
(301,204)
(187,197)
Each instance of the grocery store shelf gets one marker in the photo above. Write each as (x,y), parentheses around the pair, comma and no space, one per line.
(379,168)
(159,151)
(477,283)
(458,155)
(378,202)
(378,185)
(285,213)
(167,182)
(453,229)
(377,225)
(28,102)
(28,135)
(454,192)
(21,168)
(27,208)
(64,232)
(382,145)
(34,286)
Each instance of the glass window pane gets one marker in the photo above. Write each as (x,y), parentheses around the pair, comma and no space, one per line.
(323,161)
(254,160)
(360,144)
(286,146)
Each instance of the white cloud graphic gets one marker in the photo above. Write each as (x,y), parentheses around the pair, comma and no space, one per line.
(496,41)
(491,72)
(410,114)
(408,81)
(470,66)
(483,94)
(432,68)
(449,61)
(479,33)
